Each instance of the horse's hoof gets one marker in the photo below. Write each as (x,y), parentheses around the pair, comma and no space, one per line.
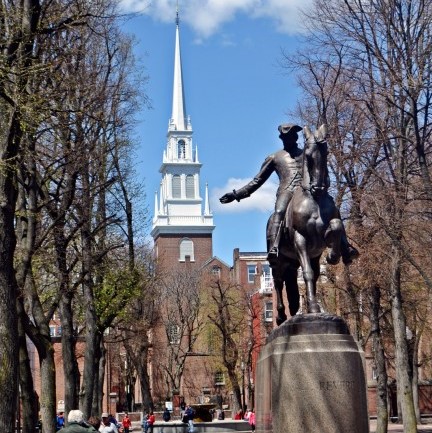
(332,258)
(313,307)
(350,255)
(280,319)
(293,310)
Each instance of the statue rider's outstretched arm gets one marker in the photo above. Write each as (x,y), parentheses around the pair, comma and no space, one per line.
(265,172)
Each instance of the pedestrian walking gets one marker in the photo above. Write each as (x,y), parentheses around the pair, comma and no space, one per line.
(107,426)
(126,423)
(252,420)
(189,415)
(166,416)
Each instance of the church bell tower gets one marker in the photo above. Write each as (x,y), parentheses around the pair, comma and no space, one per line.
(182,223)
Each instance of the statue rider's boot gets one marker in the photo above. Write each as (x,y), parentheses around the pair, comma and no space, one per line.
(273,240)
(273,254)
(348,252)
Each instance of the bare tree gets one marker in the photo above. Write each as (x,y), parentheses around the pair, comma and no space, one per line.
(180,307)
(137,326)
(49,119)
(229,317)
(370,59)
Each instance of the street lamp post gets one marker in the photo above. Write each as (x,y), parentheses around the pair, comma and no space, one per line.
(243,387)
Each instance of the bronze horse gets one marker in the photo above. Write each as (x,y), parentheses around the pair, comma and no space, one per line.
(312,223)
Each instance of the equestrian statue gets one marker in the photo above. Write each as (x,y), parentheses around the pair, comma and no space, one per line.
(305,221)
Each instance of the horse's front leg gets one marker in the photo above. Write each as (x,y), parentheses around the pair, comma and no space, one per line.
(292,290)
(333,240)
(281,317)
(308,273)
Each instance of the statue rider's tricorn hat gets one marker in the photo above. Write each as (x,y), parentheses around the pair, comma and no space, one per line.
(287,127)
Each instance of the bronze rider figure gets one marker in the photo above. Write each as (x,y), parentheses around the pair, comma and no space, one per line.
(287,163)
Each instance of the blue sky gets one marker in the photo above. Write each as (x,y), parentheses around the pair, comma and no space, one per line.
(236,94)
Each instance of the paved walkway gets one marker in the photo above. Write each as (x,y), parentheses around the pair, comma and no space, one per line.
(398,428)
(392,427)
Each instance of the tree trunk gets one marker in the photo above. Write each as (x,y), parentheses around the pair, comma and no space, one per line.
(68,342)
(27,392)
(237,401)
(99,394)
(137,351)
(70,366)
(99,365)
(91,361)
(403,379)
(415,386)
(8,288)
(48,386)
(413,346)
(379,360)
(147,400)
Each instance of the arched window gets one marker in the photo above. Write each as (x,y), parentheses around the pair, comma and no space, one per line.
(186,249)
(190,186)
(176,186)
(181,149)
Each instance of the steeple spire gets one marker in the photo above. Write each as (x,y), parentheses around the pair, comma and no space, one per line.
(178,120)
(179,209)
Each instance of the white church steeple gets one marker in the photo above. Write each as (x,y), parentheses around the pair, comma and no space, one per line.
(178,119)
(179,209)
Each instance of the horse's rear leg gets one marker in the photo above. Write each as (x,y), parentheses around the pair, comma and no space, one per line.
(291,287)
(281,317)
(308,273)
(333,241)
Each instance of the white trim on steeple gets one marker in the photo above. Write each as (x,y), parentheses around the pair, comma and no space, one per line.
(206,202)
(162,199)
(156,206)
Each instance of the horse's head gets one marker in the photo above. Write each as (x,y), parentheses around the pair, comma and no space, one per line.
(315,174)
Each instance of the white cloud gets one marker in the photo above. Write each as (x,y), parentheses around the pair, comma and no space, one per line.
(284,12)
(261,200)
(206,17)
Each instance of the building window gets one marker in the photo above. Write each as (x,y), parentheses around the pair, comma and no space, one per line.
(266,270)
(176,186)
(268,311)
(186,249)
(173,332)
(181,149)
(211,341)
(52,331)
(251,270)
(190,186)
(219,378)
(216,271)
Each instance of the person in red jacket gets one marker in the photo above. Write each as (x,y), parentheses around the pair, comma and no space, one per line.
(251,420)
(150,422)
(126,423)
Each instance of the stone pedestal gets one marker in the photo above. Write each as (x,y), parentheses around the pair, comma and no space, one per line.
(310,378)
